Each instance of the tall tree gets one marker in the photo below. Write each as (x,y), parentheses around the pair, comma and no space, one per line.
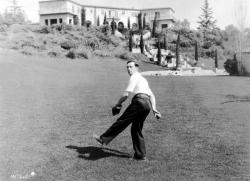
(128,23)
(130,42)
(83,16)
(159,52)
(144,21)
(241,10)
(216,58)
(140,21)
(196,51)
(165,42)
(113,26)
(142,43)
(98,21)
(177,51)
(206,22)
(105,19)
(1,19)
(154,25)
(12,18)
(14,14)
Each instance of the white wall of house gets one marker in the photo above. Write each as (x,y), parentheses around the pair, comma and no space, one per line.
(67,9)
(164,16)
(89,13)
(52,7)
(59,9)
(120,15)
(162,23)
(65,18)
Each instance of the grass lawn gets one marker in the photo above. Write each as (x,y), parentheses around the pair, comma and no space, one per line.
(49,109)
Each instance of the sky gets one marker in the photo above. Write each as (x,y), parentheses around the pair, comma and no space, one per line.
(223,10)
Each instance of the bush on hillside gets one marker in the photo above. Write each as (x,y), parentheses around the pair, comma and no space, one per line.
(3,27)
(140,57)
(27,51)
(92,42)
(67,45)
(103,53)
(71,54)
(231,66)
(125,55)
(82,52)
(43,29)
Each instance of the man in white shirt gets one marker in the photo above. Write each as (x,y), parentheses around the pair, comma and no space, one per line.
(136,112)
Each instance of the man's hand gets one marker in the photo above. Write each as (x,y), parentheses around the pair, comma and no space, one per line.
(116,110)
(157,114)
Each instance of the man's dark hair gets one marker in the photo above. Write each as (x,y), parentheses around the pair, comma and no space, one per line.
(136,64)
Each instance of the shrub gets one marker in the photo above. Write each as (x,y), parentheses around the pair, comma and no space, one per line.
(26,52)
(3,27)
(91,42)
(140,57)
(71,54)
(67,45)
(121,53)
(52,54)
(103,53)
(231,66)
(207,45)
(125,56)
(83,53)
(43,29)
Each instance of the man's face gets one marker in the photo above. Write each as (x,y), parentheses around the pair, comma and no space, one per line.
(134,26)
(131,68)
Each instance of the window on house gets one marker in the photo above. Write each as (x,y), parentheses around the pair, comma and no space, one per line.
(109,13)
(123,12)
(102,11)
(46,22)
(73,9)
(53,21)
(70,21)
(60,20)
(91,11)
(164,26)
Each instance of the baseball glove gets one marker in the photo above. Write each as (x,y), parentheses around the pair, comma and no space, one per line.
(116,110)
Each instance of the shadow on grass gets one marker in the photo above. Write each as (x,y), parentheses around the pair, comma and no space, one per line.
(95,153)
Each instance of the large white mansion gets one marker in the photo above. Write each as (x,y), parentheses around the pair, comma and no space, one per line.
(67,11)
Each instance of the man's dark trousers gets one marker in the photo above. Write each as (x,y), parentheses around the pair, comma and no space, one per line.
(136,114)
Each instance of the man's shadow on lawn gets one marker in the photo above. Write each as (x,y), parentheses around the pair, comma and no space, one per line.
(95,153)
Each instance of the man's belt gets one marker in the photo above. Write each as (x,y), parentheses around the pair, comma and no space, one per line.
(141,95)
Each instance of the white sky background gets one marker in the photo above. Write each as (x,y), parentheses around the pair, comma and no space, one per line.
(224,10)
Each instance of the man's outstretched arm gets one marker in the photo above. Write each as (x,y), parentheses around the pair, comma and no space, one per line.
(157,114)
